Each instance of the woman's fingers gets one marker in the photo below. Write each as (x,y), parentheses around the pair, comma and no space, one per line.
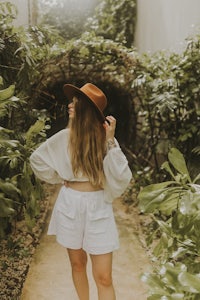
(109,126)
(111,120)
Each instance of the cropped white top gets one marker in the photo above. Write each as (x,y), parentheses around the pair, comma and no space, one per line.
(51,163)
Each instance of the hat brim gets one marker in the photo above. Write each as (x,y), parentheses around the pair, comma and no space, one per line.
(71,91)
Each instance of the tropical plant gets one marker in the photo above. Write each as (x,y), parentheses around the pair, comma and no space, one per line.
(23,49)
(22,127)
(175,206)
(20,191)
(68,17)
(115,20)
(167,89)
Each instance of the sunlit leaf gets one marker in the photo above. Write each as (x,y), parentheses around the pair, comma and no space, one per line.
(6,206)
(9,189)
(161,245)
(191,282)
(166,166)
(154,281)
(177,160)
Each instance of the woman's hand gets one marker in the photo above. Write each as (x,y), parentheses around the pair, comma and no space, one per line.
(110,125)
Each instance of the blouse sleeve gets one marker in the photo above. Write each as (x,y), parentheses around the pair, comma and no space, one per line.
(44,160)
(117,171)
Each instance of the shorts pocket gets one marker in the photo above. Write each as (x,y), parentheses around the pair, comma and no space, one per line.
(66,217)
(99,221)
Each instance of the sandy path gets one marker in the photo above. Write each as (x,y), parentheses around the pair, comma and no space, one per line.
(49,276)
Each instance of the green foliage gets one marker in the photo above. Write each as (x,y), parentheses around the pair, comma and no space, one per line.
(23,49)
(173,283)
(175,206)
(167,90)
(8,14)
(37,46)
(22,127)
(163,111)
(7,100)
(115,20)
(19,189)
(68,17)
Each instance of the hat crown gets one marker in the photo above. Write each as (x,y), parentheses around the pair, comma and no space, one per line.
(92,93)
(95,94)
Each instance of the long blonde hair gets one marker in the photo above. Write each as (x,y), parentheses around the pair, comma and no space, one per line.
(87,142)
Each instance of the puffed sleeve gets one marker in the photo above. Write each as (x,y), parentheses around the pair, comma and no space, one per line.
(45,161)
(117,172)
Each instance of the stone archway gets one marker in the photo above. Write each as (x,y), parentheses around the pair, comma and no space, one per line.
(104,63)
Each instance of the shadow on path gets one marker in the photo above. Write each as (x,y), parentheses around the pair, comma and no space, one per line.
(49,276)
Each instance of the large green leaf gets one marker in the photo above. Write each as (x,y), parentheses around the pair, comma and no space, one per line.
(7,93)
(165,227)
(33,131)
(170,274)
(152,191)
(190,203)
(177,160)
(8,143)
(9,189)
(6,208)
(191,282)
(166,166)
(154,281)
(161,245)
(151,199)
(170,202)
(149,205)
(182,224)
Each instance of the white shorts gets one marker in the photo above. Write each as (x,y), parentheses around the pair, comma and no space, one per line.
(84,220)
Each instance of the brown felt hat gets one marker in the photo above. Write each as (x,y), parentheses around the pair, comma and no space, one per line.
(90,92)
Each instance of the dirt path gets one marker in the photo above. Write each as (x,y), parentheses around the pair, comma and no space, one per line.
(49,276)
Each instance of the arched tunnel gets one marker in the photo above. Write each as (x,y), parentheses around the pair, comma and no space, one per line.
(119,105)
(109,66)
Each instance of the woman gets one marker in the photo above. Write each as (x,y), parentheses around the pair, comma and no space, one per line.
(87,159)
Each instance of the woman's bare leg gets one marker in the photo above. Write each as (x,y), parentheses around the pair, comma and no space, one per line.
(102,272)
(78,259)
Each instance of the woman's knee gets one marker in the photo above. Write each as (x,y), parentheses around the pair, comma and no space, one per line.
(102,269)
(103,279)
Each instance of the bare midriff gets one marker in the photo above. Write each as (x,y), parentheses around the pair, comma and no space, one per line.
(81,186)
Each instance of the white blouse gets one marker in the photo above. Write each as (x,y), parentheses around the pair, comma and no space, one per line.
(51,163)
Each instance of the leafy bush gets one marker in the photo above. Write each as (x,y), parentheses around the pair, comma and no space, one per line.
(23,49)
(167,90)
(22,128)
(68,17)
(115,21)
(175,206)
(151,94)
(19,189)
